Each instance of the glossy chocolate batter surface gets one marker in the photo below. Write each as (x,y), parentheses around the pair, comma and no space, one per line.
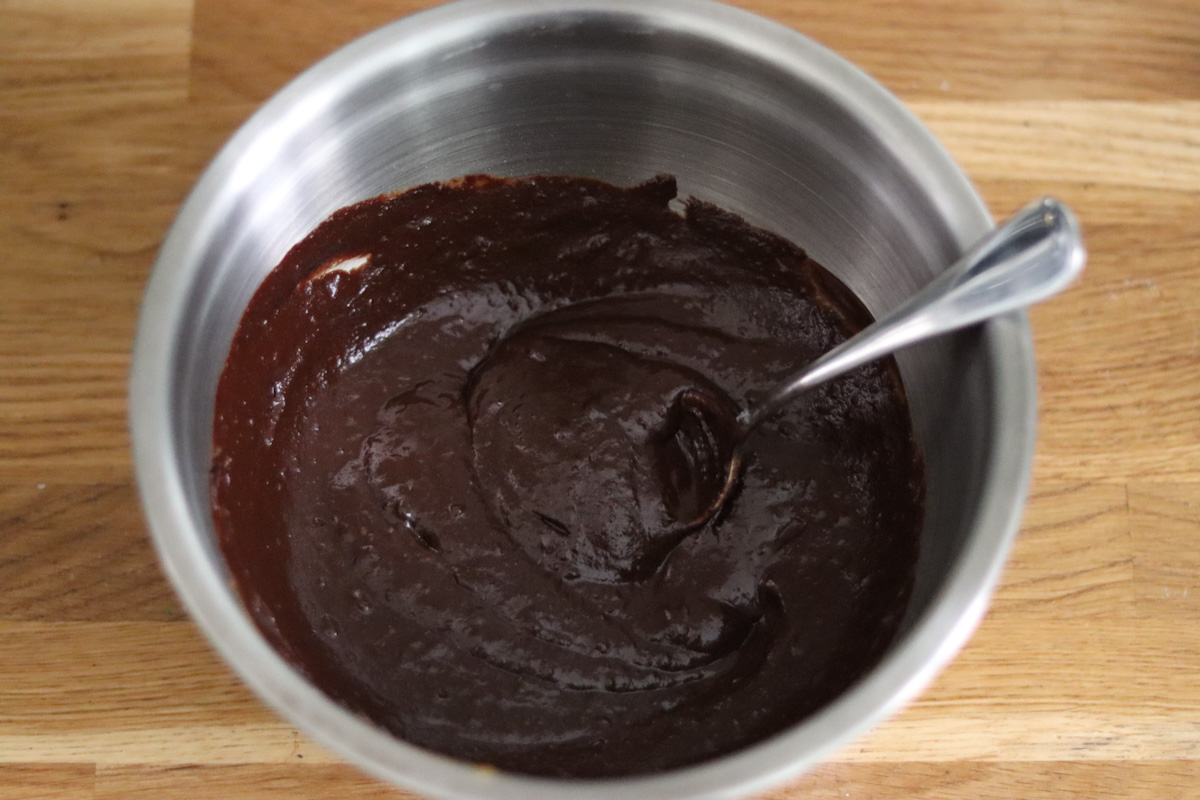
(438,480)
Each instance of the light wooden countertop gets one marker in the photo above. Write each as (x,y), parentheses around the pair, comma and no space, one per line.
(1083,680)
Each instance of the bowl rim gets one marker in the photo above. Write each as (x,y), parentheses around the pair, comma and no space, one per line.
(913,660)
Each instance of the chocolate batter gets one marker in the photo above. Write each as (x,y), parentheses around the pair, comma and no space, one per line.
(438,480)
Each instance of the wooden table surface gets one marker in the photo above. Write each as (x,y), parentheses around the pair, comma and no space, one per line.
(1083,680)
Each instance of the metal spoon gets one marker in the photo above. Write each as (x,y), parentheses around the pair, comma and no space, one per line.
(1032,256)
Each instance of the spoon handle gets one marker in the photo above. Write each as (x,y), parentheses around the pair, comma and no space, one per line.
(1032,256)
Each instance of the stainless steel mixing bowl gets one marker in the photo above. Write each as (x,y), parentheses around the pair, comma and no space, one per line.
(748,115)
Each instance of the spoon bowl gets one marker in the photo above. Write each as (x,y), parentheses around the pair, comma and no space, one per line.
(1034,255)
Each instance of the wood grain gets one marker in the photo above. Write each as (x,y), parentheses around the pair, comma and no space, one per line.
(274,782)
(47,781)
(1083,680)
(1165,527)
(1046,780)
(78,552)
(100,53)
